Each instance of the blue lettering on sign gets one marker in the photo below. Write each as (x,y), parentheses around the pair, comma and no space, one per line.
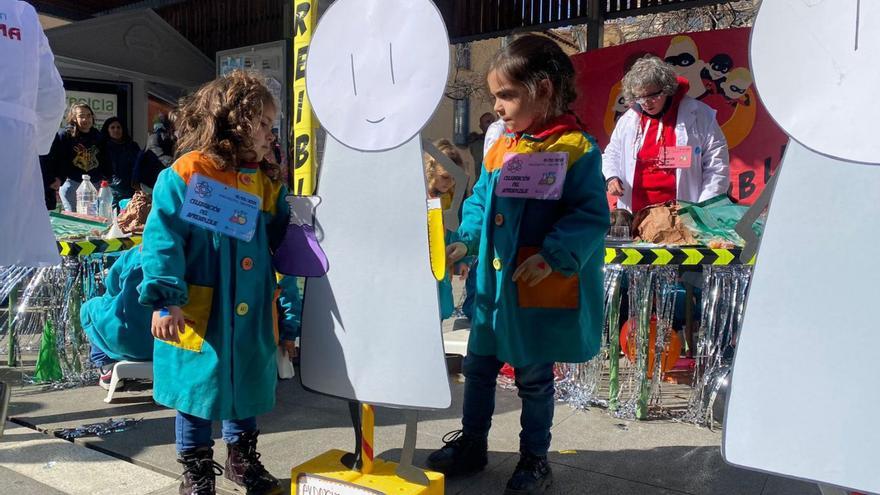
(212,205)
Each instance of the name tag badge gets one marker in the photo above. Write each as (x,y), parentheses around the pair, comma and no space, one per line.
(219,208)
(676,157)
(533,175)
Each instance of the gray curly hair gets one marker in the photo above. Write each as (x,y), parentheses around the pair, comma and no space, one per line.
(649,71)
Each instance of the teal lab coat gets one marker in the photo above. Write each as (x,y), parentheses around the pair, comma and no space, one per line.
(561,318)
(224,366)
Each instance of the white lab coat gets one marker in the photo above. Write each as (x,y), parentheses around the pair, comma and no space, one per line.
(696,126)
(31,108)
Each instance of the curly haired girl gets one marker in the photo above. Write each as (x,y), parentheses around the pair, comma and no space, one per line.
(208,276)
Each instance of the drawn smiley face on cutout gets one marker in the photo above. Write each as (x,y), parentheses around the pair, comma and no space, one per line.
(815,69)
(376,70)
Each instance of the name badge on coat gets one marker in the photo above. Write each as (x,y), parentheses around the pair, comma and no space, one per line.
(675,157)
(219,208)
(533,175)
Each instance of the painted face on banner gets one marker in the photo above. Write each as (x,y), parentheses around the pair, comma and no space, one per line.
(376,70)
(815,68)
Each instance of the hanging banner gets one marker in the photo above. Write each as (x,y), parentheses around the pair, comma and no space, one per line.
(716,63)
(302,142)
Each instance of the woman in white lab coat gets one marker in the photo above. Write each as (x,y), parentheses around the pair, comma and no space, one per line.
(31,107)
(643,162)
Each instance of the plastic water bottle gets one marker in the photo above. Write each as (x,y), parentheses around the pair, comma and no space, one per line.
(105,200)
(87,197)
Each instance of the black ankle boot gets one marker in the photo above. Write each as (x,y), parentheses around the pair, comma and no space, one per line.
(199,471)
(462,454)
(243,467)
(531,477)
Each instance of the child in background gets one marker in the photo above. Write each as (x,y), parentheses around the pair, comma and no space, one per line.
(539,276)
(214,294)
(77,151)
(117,326)
(441,184)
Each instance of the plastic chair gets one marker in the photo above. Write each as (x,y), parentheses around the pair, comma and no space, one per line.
(140,370)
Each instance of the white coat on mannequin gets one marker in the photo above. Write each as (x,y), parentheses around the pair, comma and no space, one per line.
(31,108)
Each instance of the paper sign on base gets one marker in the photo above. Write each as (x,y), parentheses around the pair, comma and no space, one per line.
(328,473)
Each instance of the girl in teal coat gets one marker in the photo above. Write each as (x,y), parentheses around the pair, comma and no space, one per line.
(539,278)
(116,324)
(208,275)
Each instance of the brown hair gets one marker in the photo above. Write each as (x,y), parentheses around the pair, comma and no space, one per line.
(530,59)
(218,119)
(71,117)
(447,148)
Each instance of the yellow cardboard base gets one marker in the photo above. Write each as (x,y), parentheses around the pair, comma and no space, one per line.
(383,479)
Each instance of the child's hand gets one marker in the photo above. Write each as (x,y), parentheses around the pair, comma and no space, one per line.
(533,270)
(289,346)
(168,326)
(455,252)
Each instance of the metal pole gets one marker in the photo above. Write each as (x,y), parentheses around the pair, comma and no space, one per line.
(368,423)
(596,26)
(10,326)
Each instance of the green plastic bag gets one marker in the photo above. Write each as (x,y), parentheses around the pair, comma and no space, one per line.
(48,367)
(715,220)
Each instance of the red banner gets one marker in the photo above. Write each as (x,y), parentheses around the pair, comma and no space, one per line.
(717,65)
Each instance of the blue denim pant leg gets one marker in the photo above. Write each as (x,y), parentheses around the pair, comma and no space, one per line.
(233,428)
(99,358)
(193,432)
(68,194)
(480,375)
(535,388)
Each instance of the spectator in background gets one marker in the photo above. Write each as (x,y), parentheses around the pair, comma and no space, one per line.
(122,153)
(75,152)
(476,142)
(161,141)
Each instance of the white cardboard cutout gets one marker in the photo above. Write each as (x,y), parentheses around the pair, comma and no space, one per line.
(377,70)
(803,393)
(370,326)
(816,72)
(450,215)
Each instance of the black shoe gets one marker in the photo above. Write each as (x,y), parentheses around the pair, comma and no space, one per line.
(462,454)
(199,472)
(243,467)
(532,476)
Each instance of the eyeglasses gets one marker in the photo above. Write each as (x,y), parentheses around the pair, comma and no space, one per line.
(641,100)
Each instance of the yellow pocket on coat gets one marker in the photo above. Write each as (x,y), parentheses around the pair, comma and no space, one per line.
(554,292)
(196,314)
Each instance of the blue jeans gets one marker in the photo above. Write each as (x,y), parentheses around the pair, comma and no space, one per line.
(68,194)
(192,432)
(99,358)
(535,387)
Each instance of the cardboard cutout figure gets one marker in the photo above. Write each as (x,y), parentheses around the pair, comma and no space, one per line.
(370,331)
(803,394)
